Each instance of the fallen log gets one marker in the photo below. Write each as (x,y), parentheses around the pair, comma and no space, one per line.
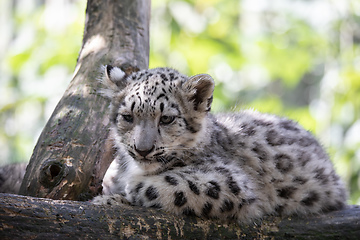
(24,217)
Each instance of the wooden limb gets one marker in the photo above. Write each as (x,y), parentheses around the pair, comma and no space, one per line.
(73,153)
(24,217)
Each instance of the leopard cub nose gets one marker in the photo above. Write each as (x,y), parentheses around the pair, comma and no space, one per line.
(144,152)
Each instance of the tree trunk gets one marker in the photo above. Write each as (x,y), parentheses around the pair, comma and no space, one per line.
(72,153)
(34,218)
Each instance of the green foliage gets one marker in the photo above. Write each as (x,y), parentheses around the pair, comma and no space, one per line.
(39,57)
(284,59)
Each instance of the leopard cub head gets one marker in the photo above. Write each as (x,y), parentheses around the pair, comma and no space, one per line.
(158,115)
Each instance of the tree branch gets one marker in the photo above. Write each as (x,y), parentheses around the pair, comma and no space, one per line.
(24,217)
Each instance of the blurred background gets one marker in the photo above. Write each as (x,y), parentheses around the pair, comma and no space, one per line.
(295,58)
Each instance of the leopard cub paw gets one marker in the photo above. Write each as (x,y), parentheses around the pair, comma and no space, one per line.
(115,199)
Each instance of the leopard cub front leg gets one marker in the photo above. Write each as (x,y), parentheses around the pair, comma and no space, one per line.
(207,194)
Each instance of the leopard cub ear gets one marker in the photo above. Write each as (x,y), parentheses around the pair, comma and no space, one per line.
(114,80)
(200,90)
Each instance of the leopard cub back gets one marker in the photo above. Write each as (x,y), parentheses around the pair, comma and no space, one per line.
(173,154)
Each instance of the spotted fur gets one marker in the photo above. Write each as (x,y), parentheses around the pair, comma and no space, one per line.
(173,154)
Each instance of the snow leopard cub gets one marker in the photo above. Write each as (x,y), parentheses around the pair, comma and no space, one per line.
(173,154)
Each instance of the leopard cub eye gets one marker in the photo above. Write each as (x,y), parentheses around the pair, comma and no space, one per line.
(128,118)
(166,119)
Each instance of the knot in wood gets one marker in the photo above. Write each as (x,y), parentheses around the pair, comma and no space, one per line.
(52,172)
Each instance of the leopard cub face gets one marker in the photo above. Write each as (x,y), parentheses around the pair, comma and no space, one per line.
(158,115)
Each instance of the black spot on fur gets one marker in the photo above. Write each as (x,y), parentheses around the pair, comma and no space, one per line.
(189,212)
(193,187)
(246,202)
(234,188)
(299,180)
(260,152)
(286,192)
(275,139)
(156,205)
(151,193)
(171,180)
(160,96)
(250,201)
(227,206)
(319,174)
(214,190)
(310,199)
(178,164)
(259,122)
(161,107)
(222,170)
(248,130)
(138,187)
(206,209)
(289,125)
(163,76)
(224,138)
(132,106)
(189,127)
(306,141)
(180,199)
(283,163)
(173,105)
(304,157)
(279,209)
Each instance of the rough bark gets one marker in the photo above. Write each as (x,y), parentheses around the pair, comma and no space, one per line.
(72,153)
(24,217)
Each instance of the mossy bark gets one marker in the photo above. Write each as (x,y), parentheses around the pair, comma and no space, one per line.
(73,153)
